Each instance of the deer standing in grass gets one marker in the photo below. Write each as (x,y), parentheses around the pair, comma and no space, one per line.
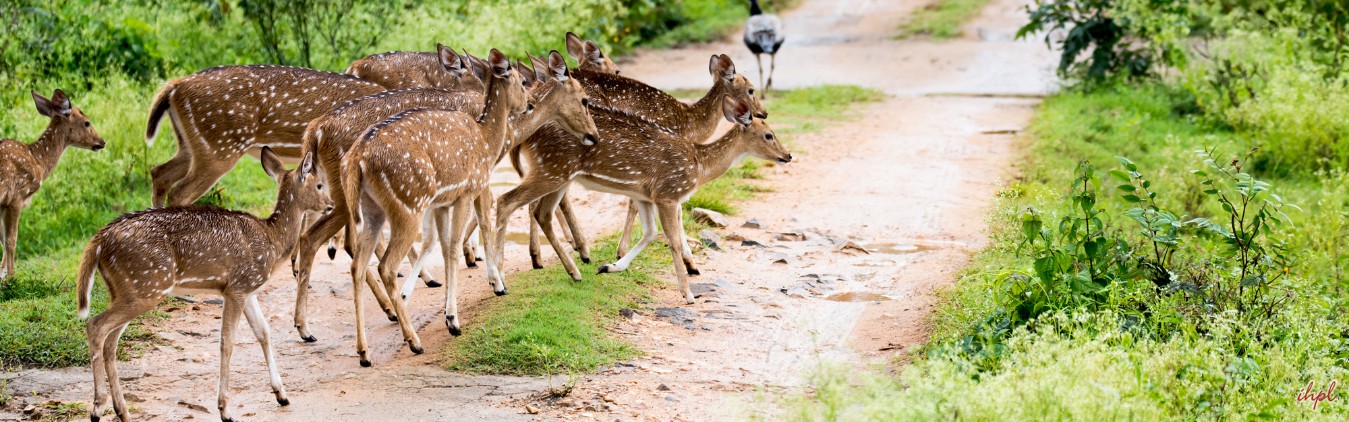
(147,255)
(23,167)
(221,113)
(412,168)
(645,162)
(329,137)
(443,68)
(691,122)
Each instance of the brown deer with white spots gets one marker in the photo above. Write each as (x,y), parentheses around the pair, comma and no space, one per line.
(330,136)
(219,114)
(147,255)
(443,68)
(589,55)
(691,122)
(413,168)
(651,165)
(23,167)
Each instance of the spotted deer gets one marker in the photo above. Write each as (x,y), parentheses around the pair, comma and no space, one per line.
(412,168)
(329,137)
(443,68)
(23,167)
(221,113)
(692,122)
(147,255)
(657,169)
(589,56)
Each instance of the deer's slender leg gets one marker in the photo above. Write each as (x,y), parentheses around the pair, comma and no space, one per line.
(203,174)
(535,254)
(647,212)
(578,237)
(362,244)
(164,176)
(228,323)
(451,229)
(544,215)
(773,65)
(471,254)
(674,232)
(402,230)
(428,246)
(684,243)
(8,251)
(110,370)
(262,332)
(11,238)
(759,60)
(626,238)
(324,228)
(482,207)
(534,186)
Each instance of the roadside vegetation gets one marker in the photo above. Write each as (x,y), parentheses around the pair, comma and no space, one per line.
(550,325)
(941,19)
(1173,249)
(111,58)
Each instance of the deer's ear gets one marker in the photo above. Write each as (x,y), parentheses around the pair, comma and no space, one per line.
(52,107)
(62,102)
(721,67)
(271,164)
(736,111)
(575,47)
(540,68)
(477,65)
(526,74)
(592,52)
(451,60)
(306,168)
(557,66)
(501,66)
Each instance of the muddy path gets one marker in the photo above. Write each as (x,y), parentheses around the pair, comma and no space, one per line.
(910,182)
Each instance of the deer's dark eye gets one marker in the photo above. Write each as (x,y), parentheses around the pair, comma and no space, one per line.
(768,136)
(585,102)
(320,187)
(751,91)
(86,124)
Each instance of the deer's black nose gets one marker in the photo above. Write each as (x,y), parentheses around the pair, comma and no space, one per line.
(590,139)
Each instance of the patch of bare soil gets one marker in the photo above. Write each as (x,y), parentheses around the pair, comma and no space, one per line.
(873,217)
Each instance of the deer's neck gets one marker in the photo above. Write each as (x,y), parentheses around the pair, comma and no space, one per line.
(47,150)
(283,226)
(496,115)
(706,113)
(715,157)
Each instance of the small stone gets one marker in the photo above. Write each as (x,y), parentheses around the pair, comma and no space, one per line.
(709,217)
(627,313)
(797,292)
(790,237)
(751,243)
(531,409)
(188,299)
(29,409)
(709,239)
(753,223)
(214,301)
(778,258)
(663,387)
(851,246)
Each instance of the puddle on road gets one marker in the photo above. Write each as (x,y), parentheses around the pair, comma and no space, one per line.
(519,238)
(898,248)
(857,297)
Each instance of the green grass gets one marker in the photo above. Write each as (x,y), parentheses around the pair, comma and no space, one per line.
(942,19)
(550,325)
(1082,364)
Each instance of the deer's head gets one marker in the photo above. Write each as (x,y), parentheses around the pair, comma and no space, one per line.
(461,68)
(758,139)
(301,185)
(69,124)
(736,86)
(589,56)
(562,99)
(506,78)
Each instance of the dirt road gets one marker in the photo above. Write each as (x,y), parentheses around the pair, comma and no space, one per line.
(910,181)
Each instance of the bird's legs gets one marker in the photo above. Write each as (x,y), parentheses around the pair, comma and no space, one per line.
(765,88)
(773,65)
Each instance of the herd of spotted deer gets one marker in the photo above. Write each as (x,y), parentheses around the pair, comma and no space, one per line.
(404,138)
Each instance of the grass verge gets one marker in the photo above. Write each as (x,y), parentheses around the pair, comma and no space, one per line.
(549,325)
(941,19)
(1175,356)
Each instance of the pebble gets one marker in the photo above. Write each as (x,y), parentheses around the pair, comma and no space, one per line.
(709,217)
(753,223)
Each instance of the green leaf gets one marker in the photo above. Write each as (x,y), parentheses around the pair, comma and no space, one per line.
(1132,198)
(1127,188)
(1120,176)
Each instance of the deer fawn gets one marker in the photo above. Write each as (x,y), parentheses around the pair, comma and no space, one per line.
(330,136)
(218,114)
(23,167)
(657,170)
(415,166)
(692,122)
(443,68)
(147,255)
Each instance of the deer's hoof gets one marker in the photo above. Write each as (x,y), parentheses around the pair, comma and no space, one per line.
(309,338)
(416,350)
(585,259)
(365,363)
(400,275)
(603,269)
(694,271)
(93,417)
(392,316)
(471,264)
(433,283)
(283,401)
(453,326)
(332,253)
(503,292)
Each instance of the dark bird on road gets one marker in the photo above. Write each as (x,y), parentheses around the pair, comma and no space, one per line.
(763,35)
